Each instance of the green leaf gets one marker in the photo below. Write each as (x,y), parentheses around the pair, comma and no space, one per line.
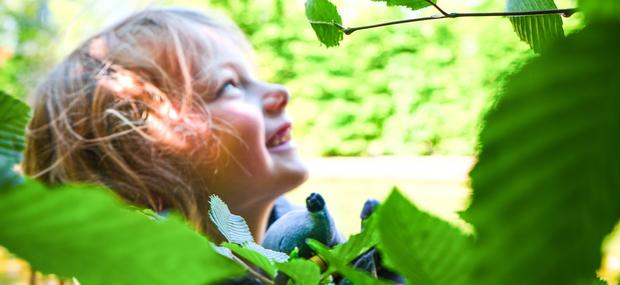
(547,182)
(14,116)
(236,230)
(425,249)
(600,9)
(254,257)
(593,281)
(412,4)
(274,256)
(359,243)
(302,271)
(231,226)
(537,31)
(323,15)
(337,264)
(84,232)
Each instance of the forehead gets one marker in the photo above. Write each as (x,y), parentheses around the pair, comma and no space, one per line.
(227,50)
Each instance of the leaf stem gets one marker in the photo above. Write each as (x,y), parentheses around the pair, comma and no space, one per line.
(253,272)
(564,12)
(438,8)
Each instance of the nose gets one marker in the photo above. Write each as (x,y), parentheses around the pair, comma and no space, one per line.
(275,99)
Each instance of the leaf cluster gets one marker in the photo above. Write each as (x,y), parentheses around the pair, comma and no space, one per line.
(538,31)
(546,191)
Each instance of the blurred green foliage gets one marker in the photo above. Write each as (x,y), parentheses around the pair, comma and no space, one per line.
(549,147)
(416,89)
(547,177)
(24,39)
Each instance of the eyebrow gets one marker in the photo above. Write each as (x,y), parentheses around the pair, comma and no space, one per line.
(246,73)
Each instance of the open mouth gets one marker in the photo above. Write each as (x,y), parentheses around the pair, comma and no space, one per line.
(282,136)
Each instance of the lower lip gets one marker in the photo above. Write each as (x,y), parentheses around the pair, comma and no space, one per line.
(283,147)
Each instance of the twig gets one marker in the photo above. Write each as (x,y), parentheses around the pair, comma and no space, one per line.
(253,272)
(437,7)
(564,12)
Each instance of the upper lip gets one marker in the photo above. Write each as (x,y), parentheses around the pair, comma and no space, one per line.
(280,131)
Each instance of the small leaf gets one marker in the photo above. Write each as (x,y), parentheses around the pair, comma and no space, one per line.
(323,15)
(537,31)
(254,257)
(236,231)
(272,255)
(359,243)
(223,251)
(231,226)
(425,249)
(360,277)
(302,271)
(336,264)
(411,4)
(294,253)
(85,232)
(14,116)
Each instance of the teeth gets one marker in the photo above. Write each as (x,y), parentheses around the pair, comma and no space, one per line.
(280,140)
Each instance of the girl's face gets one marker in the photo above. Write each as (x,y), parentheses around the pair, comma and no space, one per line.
(257,159)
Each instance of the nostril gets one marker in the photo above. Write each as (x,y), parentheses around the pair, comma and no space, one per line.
(276,100)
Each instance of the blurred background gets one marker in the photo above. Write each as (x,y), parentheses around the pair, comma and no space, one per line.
(396,106)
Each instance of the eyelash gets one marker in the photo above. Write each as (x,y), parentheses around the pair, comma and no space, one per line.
(223,88)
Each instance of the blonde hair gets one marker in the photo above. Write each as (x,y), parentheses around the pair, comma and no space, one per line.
(92,114)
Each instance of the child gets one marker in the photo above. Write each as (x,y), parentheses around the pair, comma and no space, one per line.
(164,108)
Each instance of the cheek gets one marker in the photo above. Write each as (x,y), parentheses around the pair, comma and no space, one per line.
(241,131)
(238,122)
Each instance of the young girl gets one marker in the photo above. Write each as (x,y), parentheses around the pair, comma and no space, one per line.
(164,108)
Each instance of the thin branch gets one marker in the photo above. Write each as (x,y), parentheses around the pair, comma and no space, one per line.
(253,272)
(564,12)
(437,7)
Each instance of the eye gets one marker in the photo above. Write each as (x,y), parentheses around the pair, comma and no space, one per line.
(229,85)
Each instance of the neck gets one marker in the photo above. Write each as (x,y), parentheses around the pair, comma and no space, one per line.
(257,217)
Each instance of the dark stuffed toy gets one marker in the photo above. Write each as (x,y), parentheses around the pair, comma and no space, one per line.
(292,229)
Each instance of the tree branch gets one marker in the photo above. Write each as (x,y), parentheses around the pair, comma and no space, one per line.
(564,12)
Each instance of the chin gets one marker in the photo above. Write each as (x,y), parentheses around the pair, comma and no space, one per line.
(293,173)
(300,177)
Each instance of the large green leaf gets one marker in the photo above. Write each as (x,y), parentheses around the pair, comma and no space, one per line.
(547,182)
(84,232)
(412,4)
(14,116)
(600,9)
(323,15)
(537,31)
(594,281)
(425,249)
